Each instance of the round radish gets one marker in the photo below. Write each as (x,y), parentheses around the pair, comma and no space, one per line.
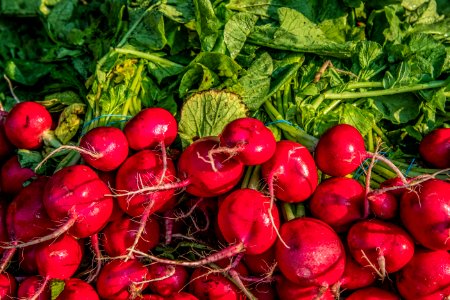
(315,255)
(8,286)
(27,125)
(120,234)
(4,237)
(30,286)
(289,290)
(355,276)
(264,291)
(372,293)
(151,128)
(13,176)
(122,280)
(260,264)
(339,202)
(178,296)
(107,148)
(383,205)
(426,276)
(206,285)
(291,172)
(425,213)
(166,280)
(6,148)
(383,246)
(435,148)
(75,289)
(201,180)
(27,258)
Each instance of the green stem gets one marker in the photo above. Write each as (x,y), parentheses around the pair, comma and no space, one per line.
(380,133)
(363,85)
(279,101)
(247,175)
(147,56)
(134,89)
(288,212)
(300,211)
(331,106)
(286,97)
(370,143)
(255,178)
(383,171)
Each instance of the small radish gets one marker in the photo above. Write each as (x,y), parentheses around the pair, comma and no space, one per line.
(383,246)
(355,276)
(383,205)
(339,202)
(425,213)
(120,280)
(291,172)
(13,176)
(289,290)
(260,264)
(435,148)
(315,256)
(6,148)
(30,286)
(426,276)
(75,289)
(372,293)
(248,139)
(8,286)
(167,280)
(27,125)
(150,128)
(27,260)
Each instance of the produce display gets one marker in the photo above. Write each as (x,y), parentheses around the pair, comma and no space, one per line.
(228,149)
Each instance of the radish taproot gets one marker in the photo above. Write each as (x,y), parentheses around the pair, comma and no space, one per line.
(167,280)
(435,148)
(429,202)
(75,289)
(13,176)
(372,293)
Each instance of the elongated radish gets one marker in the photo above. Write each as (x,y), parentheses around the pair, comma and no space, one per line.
(167,280)
(27,125)
(372,293)
(30,286)
(435,148)
(13,176)
(291,172)
(289,290)
(429,203)
(75,289)
(315,255)
(339,202)
(383,246)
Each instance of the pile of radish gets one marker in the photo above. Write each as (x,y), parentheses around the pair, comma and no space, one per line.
(137,219)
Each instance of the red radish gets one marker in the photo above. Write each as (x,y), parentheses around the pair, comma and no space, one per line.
(75,289)
(109,178)
(247,138)
(4,237)
(246,216)
(381,245)
(151,128)
(8,286)
(315,255)
(206,285)
(372,293)
(261,264)
(199,177)
(291,172)
(13,176)
(355,276)
(425,213)
(383,205)
(339,202)
(120,234)
(150,297)
(426,276)
(27,125)
(122,280)
(27,260)
(394,185)
(341,150)
(180,296)
(98,257)
(30,286)
(435,148)
(289,290)
(264,291)
(167,280)
(6,148)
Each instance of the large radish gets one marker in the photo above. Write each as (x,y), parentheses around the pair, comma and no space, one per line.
(435,148)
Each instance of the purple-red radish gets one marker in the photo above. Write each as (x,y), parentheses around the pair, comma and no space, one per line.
(30,286)
(339,202)
(151,128)
(246,216)
(150,297)
(264,291)
(426,276)
(383,205)
(199,177)
(383,246)
(109,178)
(261,264)
(435,148)
(120,234)
(98,258)
(122,280)
(315,255)
(180,296)
(8,286)
(166,280)
(372,293)
(27,125)
(6,148)
(248,139)
(206,285)
(27,260)
(13,176)
(75,289)
(355,276)
(425,213)
(291,172)
(395,186)
(289,290)
(4,237)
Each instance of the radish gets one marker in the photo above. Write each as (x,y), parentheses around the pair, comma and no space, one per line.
(8,286)
(13,176)
(248,139)
(167,280)
(180,296)
(291,172)
(30,286)
(289,290)
(341,150)
(425,213)
(4,237)
(264,291)
(426,276)
(247,217)
(27,125)
(261,264)
(122,280)
(372,293)
(383,205)
(315,255)
(27,260)
(355,276)
(75,289)
(150,297)
(120,234)
(339,202)
(435,148)
(151,128)
(383,246)
(6,148)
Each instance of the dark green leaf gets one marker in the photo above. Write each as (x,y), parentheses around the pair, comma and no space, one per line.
(26,72)
(398,109)
(180,11)
(150,33)
(197,78)
(30,159)
(207,24)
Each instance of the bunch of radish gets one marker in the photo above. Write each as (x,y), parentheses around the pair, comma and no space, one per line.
(234,216)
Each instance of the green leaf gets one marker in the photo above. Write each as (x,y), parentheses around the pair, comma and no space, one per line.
(30,159)
(180,11)
(368,53)
(359,118)
(207,113)
(69,122)
(220,63)
(236,31)
(162,69)
(198,75)
(26,72)
(56,288)
(150,33)
(207,24)
(398,109)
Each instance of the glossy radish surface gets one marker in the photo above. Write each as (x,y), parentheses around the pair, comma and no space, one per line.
(29,287)
(8,286)
(435,148)
(372,293)
(167,280)
(13,176)
(76,289)
(383,205)
(289,290)
(355,275)
(206,285)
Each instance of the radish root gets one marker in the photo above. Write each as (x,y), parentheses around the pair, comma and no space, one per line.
(81,150)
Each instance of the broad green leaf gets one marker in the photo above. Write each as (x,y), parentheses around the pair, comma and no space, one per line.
(180,11)
(197,78)
(56,102)
(359,118)
(207,113)
(236,31)
(26,72)
(398,109)
(150,33)
(69,122)
(368,53)
(220,63)
(207,24)
(425,48)
(56,288)
(30,159)
(163,68)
